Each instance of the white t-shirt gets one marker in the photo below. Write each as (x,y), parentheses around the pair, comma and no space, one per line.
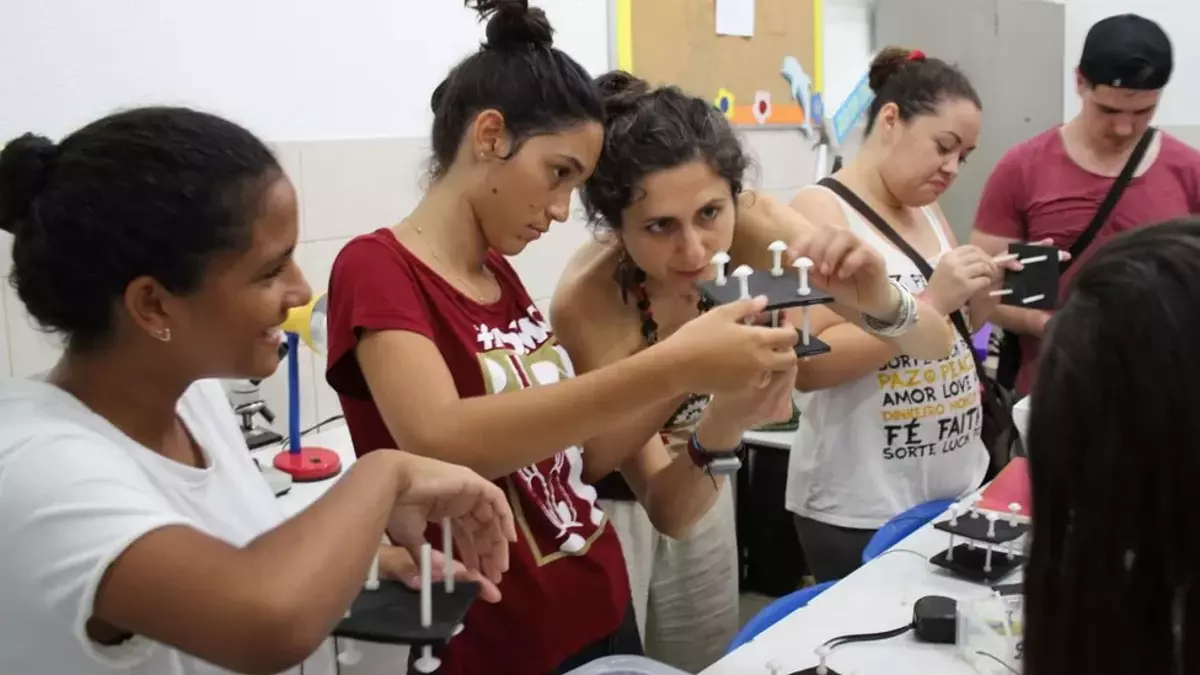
(905,434)
(75,492)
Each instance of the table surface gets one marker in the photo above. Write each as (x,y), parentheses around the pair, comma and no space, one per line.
(335,437)
(879,596)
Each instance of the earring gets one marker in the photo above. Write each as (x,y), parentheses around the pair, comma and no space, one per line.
(163,335)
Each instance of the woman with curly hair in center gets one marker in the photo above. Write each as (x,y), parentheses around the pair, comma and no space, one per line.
(667,194)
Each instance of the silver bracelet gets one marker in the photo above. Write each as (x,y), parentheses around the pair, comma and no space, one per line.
(903,323)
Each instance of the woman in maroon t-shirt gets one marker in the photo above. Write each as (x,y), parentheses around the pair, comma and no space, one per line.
(428,324)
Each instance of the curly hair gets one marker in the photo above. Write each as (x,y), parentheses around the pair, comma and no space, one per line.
(651,129)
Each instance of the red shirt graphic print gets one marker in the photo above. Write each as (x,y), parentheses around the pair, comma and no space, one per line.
(566,587)
(565,518)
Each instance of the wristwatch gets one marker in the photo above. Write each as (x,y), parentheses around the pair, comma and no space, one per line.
(714,463)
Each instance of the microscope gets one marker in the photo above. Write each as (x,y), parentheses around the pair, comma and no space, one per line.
(248,403)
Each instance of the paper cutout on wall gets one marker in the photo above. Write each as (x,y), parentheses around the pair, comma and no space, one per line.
(762,106)
(801,86)
(735,17)
(852,109)
(724,102)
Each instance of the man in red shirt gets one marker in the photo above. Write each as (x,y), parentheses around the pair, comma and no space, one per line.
(1051,186)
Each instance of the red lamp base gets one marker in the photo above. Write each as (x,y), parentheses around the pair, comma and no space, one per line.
(309,465)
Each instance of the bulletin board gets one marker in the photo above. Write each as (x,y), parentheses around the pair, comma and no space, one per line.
(676,42)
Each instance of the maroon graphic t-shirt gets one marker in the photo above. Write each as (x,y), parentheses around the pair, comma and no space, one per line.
(566,586)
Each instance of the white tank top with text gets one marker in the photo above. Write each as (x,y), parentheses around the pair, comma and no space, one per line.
(908,433)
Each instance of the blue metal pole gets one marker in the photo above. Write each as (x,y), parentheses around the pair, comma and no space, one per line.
(293,357)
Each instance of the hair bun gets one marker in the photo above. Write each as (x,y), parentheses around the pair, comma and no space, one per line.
(887,63)
(25,165)
(513,23)
(620,91)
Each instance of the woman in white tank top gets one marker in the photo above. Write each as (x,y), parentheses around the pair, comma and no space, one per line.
(881,431)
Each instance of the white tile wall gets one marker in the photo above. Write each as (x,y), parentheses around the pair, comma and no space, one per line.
(1189,134)
(316,259)
(290,159)
(348,187)
(351,187)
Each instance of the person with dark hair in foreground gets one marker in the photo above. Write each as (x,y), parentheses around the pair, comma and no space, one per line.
(1111,583)
(1052,185)
(139,537)
(436,346)
(883,429)
(667,195)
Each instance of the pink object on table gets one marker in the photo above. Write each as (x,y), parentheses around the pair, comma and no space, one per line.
(1010,486)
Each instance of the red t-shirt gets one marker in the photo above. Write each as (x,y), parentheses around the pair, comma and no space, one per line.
(566,586)
(1037,192)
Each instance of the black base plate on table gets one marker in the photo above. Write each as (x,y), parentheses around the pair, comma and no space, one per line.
(968,563)
(392,614)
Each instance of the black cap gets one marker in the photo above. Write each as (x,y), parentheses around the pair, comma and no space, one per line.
(1127,51)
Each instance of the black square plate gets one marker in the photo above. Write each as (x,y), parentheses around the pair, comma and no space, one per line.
(1038,278)
(781,291)
(392,614)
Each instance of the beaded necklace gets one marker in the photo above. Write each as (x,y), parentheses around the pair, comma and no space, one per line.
(646,311)
(632,279)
